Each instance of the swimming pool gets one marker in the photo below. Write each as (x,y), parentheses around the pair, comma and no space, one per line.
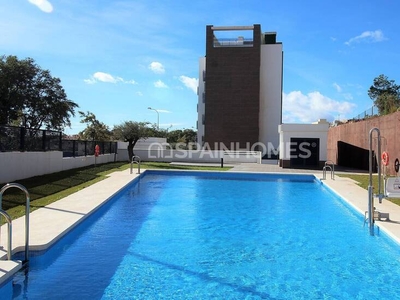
(200,235)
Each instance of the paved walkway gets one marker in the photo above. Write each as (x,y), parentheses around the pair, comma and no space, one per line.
(50,223)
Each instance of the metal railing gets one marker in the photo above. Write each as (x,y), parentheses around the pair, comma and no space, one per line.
(135,160)
(14,138)
(23,139)
(9,230)
(74,148)
(27,211)
(233,42)
(371,207)
(373,111)
(329,165)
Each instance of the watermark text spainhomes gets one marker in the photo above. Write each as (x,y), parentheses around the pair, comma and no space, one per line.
(189,150)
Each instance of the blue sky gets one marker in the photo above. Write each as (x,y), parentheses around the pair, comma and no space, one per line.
(117,58)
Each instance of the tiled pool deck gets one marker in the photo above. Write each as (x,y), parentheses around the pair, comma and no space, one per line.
(46,227)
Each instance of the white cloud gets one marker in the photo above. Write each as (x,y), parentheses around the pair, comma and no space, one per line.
(190,83)
(43,5)
(367,36)
(337,87)
(160,84)
(300,108)
(347,96)
(157,67)
(139,94)
(129,81)
(90,81)
(106,77)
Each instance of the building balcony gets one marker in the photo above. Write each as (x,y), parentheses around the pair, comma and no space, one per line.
(236,42)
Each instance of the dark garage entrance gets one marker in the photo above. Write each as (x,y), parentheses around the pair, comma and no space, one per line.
(355,157)
(304,153)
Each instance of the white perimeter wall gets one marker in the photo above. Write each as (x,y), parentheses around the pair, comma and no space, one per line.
(20,165)
(159,152)
(288,131)
(198,156)
(270,94)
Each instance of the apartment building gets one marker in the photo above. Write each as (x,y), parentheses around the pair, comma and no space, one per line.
(240,89)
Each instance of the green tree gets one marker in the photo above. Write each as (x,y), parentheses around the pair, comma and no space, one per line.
(95,130)
(31,97)
(154,131)
(131,132)
(385,94)
(189,136)
(174,136)
(185,136)
(13,80)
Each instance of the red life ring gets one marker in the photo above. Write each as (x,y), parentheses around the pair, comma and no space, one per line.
(385,158)
(97,150)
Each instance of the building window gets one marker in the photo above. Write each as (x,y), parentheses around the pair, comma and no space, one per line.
(233,42)
(203,119)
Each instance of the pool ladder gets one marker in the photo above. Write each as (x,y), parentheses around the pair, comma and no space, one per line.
(371,207)
(9,230)
(135,160)
(329,165)
(9,221)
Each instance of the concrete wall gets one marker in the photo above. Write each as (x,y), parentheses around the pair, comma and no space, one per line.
(20,165)
(357,134)
(270,93)
(194,156)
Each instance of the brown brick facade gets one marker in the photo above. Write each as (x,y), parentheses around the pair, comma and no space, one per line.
(232,92)
(357,134)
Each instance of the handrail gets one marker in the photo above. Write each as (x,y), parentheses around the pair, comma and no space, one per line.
(27,211)
(136,162)
(371,207)
(324,172)
(9,228)
(331,166)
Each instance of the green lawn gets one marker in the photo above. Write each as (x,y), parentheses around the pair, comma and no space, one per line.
(363,181)
(46,189)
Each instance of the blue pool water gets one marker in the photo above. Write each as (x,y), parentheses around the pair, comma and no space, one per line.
(216,236)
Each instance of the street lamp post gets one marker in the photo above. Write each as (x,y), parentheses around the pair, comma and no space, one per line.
(158,117)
